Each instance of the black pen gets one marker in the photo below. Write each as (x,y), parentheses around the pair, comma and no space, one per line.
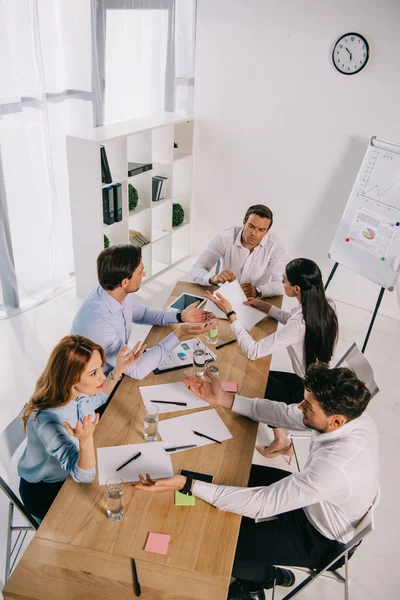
(167,402)
(206,436)
(136,584)
(225,344)
(128,461)
(180,448)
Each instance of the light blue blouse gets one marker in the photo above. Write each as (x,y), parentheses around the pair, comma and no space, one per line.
(51,453)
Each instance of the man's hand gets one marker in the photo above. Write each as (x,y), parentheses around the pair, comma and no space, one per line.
(124,361)
(222,303)
(210,391)
(193,329)
(260,304)
(249,290)
(84,430)
(223,277)
(162,485)
(192,314)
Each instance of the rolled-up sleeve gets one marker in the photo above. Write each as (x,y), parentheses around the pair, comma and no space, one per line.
(277,414)
(276,268)
(291,333)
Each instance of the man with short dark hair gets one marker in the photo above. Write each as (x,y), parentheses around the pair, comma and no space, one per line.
(107,314)
(319,507)
(251,254)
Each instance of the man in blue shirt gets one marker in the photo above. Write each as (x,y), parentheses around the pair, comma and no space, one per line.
(107,314)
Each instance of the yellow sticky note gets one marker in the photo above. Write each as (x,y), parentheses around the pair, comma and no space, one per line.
(183,500)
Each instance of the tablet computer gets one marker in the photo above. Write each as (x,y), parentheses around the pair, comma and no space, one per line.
(185,300)
(199,476)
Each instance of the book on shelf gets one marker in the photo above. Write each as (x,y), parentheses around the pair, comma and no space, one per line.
(137,238)
(137,168)
(117,202)
(105,167)
(108,205)
(159,188)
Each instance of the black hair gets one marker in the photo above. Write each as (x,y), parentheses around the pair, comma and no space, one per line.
(117,263)
(338,391)
(261,211)
(319,316)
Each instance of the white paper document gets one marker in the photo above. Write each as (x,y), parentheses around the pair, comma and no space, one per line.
(182,356)
(248,316)
(179,430)
(153,459)
(170,392)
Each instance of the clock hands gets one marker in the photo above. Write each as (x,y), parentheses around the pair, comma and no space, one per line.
(351,56)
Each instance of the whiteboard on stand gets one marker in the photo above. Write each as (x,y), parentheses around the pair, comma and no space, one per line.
(367,240)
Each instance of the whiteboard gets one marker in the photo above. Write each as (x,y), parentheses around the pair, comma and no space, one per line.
(367,240)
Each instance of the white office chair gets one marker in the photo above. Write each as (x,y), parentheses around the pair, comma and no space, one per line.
(365,526)
(354,359)
(10,441)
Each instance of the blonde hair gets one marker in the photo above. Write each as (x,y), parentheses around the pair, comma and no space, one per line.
(63,370)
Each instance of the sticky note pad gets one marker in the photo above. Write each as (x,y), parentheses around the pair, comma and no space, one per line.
(184,500)
(157,543)
(229,386)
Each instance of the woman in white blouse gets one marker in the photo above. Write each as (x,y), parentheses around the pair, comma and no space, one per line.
(309,334)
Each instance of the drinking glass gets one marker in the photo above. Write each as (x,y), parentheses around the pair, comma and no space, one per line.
(150,422)
(199,362)
(213,368)
(212,335)
(114,493)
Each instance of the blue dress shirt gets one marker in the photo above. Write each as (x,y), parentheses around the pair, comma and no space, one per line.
(51,453)
(108,322)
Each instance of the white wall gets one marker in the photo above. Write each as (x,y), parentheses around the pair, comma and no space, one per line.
(277,124)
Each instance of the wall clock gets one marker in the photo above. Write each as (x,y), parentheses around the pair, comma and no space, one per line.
(350,53)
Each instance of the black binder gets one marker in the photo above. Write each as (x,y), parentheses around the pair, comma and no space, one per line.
(105,168)
(117,202)
(108,205)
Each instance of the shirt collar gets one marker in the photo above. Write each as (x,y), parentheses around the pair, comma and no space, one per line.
(113,305)
(343,431)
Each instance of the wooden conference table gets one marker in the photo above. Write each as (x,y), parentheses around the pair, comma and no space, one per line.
(79,553)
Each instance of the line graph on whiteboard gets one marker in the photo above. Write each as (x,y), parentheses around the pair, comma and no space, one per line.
(380,180)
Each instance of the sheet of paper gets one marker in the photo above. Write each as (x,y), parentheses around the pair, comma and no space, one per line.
(182,356)
(211,307)
(172,392)
(248,316)
(157,543)
(154,460)
(179,430)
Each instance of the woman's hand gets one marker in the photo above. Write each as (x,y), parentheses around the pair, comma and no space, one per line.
(169,484)
(260,304)
(84,430)
(193,329)
(127,359)
(222,303)
(192,314)
(210,391)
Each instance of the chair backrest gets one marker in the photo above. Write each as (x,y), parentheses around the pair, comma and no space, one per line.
(368,518)
(11,439)
(360,365)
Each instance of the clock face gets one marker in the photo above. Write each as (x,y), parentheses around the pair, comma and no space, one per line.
(350,53)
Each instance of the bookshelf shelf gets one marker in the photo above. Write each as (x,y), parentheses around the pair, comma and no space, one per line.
(150,139)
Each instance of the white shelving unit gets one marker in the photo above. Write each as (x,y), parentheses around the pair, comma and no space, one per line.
(147,140)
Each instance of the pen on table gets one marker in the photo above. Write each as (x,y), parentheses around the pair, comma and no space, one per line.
(225,344)
(180,448)
(206,436)
(167,402)
(136,584)
(129,460)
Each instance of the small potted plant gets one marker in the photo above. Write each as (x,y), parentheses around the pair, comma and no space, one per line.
(178,215)
(133,197)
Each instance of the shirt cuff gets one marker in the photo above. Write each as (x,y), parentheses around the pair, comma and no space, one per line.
(243,406)
(205,491)
(171,315)
(170,342)
(274,312)
(84,475)
(236,327)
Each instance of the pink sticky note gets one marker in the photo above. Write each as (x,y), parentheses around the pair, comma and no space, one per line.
(157,543)
(229,386)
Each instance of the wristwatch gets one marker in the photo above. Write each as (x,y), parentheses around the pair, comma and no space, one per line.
(186,488)
(258,292)
(230,313)
(179,316)
(111,376)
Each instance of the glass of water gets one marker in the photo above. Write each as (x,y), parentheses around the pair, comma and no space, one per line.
(150,422)
(212,335)
(114,493)
(213,368)
(199,362)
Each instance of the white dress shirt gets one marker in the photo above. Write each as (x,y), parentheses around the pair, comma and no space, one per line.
(336,487)
(108,322)
(291,337)
(263,267)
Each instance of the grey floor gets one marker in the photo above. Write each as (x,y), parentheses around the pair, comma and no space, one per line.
(26,341)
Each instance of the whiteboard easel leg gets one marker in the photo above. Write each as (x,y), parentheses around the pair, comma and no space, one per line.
(331,274)
(373,319)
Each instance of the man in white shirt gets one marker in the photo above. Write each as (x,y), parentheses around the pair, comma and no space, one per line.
(252,254)
(320,507)
(107,314)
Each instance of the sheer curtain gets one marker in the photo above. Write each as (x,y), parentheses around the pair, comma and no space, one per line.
(68,65)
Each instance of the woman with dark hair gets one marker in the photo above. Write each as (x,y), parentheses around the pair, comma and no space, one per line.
(60,419)
(310,333)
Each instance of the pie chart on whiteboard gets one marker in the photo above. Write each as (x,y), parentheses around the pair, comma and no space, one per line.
(369,233)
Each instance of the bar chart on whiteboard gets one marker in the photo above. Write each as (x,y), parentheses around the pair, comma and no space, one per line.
(368,236)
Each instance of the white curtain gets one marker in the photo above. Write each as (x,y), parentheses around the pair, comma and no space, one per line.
(68,65)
